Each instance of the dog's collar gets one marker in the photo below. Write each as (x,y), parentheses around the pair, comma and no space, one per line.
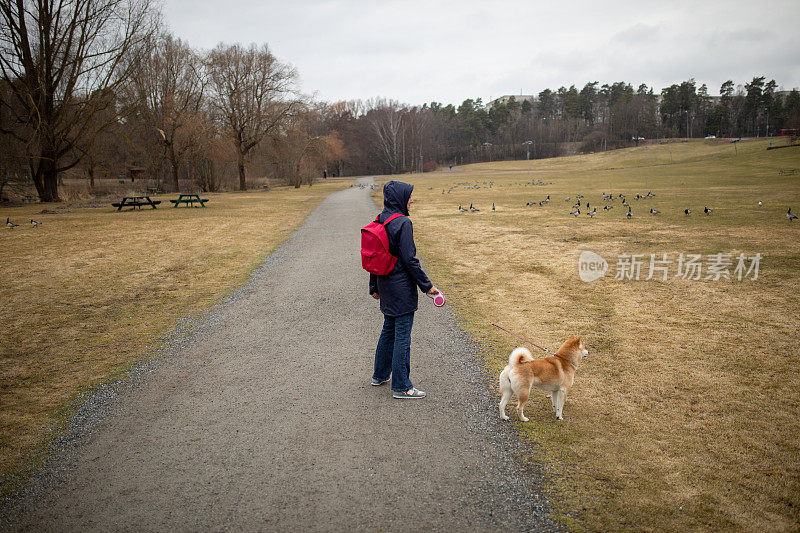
(567,361)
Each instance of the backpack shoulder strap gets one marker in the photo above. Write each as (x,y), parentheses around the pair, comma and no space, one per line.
(394,216)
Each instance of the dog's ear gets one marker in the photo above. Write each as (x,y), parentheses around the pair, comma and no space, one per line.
(579,338)
(571,336)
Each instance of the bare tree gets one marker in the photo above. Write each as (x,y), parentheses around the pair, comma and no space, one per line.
(253,93)
(64,61)
(386,119)
(168,89)
(303,148)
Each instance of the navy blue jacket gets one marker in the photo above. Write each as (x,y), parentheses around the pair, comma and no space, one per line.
(398,289)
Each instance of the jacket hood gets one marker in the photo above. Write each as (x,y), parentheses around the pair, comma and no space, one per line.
(396,195)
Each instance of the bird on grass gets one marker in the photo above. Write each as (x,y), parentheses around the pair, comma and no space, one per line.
(587,205)
(461,209)
(566,199)
(576,204)
(759,203)
(687,211)
(473,209)
(593,212)
(707,211)
(654,211)
(35,223)
(493,208)
(10,224)
(625,203)
(528,204)
(576,212)
(606,208)
(578,196)
(629,215)
(791,216)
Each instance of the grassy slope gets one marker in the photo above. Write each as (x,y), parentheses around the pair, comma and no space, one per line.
(686,413)
(91,290)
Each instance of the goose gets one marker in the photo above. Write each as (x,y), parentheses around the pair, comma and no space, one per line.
(606,208)
(35,223)
(629,215)
(473,209)
(461,209)
(687,211)
(654,211)
(707,211)
(12,225)
(576,212)
(791,216)
(493,208)
(593,212)
(759,203)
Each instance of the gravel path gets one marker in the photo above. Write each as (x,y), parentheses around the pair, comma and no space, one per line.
(262,418)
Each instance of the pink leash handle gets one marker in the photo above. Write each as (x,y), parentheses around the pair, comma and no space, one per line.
(523,338)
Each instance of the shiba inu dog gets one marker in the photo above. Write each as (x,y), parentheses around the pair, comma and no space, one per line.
(554,374)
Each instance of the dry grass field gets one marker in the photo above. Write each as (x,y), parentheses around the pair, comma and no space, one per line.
(92,290)
(686,415)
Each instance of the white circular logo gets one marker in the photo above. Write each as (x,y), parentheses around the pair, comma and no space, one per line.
(591,266)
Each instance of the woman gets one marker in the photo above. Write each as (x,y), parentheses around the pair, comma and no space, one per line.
(397,292)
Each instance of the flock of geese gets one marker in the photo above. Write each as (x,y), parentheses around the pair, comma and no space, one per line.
(608,200)
(11,225)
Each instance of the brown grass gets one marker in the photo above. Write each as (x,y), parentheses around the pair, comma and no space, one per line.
(686,415)
(92,290)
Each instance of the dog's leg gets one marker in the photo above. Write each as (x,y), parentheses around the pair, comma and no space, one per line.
(562,396)
(522,397)
(505,388)
(554,400)
(503,402)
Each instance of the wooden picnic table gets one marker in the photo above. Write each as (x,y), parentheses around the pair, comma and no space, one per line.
(135,201)
(189,200)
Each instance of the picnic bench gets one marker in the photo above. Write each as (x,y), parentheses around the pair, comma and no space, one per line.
(135,201)
(189,200)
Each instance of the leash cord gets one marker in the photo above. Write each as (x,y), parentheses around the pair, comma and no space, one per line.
(523,338)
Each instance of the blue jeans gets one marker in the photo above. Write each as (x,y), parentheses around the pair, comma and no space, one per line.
(393,354)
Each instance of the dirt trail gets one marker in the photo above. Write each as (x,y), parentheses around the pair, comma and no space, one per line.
(263,418)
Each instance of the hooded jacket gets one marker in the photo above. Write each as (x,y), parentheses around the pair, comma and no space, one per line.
(398,289)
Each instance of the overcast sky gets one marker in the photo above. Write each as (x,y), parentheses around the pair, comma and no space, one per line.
(421,51)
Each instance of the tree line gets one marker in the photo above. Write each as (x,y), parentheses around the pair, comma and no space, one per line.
(385,136)
(99,88)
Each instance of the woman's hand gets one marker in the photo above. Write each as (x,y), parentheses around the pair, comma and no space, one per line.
(375,295)
(433,292)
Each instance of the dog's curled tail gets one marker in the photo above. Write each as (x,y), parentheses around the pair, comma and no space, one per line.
(519,355)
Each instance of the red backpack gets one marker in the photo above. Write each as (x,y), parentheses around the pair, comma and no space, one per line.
(375,256)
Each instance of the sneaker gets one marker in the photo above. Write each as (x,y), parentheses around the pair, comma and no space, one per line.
(410,393)
(378,382)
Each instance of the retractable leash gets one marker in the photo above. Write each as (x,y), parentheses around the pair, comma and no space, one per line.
(438,298)
(523,338)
